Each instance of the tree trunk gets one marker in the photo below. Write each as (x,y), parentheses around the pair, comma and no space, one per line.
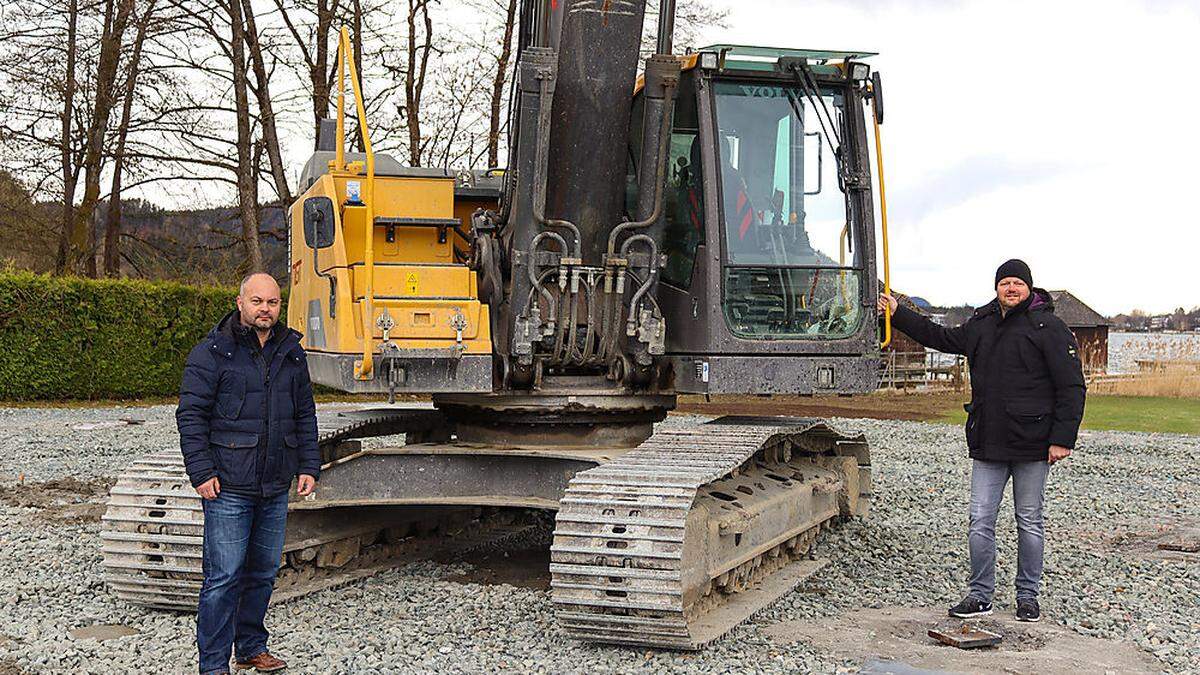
(414,75)
(63,260)
(498,85)
(356,43)
(247,189)
(319,70)
(115,21)
(266,111)
(112,223)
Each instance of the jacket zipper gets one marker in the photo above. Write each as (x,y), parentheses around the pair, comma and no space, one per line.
(266,376)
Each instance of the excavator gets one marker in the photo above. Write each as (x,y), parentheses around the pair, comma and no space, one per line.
(700,225)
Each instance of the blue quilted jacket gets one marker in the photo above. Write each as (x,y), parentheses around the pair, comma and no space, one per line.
(250,422)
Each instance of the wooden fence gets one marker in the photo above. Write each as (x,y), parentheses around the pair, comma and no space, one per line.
(929,370)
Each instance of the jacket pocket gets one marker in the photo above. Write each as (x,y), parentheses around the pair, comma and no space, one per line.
(231,394)
(237,456)
(291,453)
(1028,422)
(973,415)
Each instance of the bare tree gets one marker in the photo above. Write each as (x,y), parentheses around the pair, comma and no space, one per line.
(314,49)
(199,107)
(116,17)
(499,82)
(61,120)
(266,110)
(247,185)
(67,236)
(112,221)
(419,50)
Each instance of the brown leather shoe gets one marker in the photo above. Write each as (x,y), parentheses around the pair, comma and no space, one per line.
(263,663)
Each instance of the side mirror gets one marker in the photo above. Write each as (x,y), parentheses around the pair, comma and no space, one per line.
(877,96)
(318,222)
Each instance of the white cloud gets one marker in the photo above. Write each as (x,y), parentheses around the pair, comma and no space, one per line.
(1058,132)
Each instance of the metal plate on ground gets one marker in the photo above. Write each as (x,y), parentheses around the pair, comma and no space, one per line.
(966,637)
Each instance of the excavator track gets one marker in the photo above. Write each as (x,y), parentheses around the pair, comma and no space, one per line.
(152,541)
(679,540)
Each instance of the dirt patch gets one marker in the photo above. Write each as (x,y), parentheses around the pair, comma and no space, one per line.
(62,500)
(900,634)
(523,568)
(884,406)
(8,666)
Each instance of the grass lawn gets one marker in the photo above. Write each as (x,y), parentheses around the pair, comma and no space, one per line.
(1126,413)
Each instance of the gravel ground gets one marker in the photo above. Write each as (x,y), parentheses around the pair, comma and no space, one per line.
(1105,506)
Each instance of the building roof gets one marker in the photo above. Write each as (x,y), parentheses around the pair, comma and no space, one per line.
(956,316)
(1074,312)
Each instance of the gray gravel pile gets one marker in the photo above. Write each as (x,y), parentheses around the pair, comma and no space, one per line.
(1104,508)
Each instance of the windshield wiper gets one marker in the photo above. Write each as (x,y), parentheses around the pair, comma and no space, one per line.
(808,85)
(800,72)
(802,76)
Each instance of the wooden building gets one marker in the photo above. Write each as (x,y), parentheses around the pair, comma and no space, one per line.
(906,363)
(1089,327)
(902,343)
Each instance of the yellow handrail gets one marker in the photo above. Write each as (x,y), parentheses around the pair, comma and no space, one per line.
(346,60)
(842,263)
(887,270)
(339,163)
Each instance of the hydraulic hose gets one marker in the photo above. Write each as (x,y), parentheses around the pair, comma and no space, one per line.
(545,100)
(664,141)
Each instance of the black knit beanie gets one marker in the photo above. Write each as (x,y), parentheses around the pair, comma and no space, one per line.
(1014,268)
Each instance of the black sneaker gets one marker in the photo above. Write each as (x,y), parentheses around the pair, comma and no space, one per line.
(971,607)
(1028,610)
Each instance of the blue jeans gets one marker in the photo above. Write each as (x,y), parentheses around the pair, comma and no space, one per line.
(988,480)
(243,543)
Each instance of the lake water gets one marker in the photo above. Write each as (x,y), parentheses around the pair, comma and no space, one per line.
(1125,348)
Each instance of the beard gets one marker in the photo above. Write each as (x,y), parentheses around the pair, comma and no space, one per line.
(258,321)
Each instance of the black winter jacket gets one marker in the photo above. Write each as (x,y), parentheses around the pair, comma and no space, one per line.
(1027,388)
(230,399)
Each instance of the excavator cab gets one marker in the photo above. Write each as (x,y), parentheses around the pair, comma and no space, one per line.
(768,229)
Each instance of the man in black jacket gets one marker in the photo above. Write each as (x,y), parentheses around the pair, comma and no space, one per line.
(247,427)
(1027,394)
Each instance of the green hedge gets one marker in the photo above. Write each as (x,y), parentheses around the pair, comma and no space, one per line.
(71,338)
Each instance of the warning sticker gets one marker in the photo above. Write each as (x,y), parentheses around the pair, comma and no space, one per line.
(413,283)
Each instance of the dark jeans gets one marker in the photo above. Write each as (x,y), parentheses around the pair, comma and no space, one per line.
(988,480)
(243,542)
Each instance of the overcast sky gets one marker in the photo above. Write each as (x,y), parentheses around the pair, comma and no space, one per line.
(1062,133)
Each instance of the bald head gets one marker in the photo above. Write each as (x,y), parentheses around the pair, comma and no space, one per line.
(257,280)
(258,301)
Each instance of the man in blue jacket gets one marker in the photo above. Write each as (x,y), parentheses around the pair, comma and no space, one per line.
(1027,398)
(247,427)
